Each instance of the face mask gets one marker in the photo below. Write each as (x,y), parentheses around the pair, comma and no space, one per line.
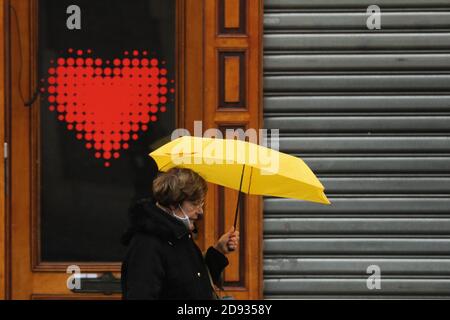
(185,219)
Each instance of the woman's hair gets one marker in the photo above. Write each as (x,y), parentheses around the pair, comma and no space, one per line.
(177,185)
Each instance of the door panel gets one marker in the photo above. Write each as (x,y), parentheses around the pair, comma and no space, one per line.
(94,131)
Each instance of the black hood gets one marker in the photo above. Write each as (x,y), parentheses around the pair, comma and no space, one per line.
(146,217)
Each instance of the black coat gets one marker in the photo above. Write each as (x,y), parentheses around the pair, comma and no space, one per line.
(163,261)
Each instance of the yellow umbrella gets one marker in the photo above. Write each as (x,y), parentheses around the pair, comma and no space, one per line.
(243,166)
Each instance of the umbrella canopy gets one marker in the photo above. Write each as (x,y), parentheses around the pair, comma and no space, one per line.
(243,166)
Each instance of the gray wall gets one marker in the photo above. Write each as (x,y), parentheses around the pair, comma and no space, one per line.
(369,112)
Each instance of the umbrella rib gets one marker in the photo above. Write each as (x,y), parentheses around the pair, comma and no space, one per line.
(250,180)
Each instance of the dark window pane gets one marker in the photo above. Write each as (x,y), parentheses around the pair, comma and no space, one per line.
(107,97)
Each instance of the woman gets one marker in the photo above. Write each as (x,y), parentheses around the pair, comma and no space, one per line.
(163,261)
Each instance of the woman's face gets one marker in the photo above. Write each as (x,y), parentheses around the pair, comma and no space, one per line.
(191,209)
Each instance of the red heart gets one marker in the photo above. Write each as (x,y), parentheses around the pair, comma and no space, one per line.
(107,103)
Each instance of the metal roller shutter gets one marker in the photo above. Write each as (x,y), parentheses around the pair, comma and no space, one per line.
(369,111)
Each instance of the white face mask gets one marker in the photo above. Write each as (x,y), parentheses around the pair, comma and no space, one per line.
(185,219)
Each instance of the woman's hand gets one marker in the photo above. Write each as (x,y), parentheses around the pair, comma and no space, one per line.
(229,241)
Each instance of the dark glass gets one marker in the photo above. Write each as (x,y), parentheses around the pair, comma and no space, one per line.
(84,199)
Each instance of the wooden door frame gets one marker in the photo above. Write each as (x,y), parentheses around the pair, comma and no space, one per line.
(200,38)
(3,218)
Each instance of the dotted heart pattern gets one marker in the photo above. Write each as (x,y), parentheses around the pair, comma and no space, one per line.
(107,103)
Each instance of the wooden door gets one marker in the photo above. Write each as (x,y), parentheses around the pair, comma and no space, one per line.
(66,190)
